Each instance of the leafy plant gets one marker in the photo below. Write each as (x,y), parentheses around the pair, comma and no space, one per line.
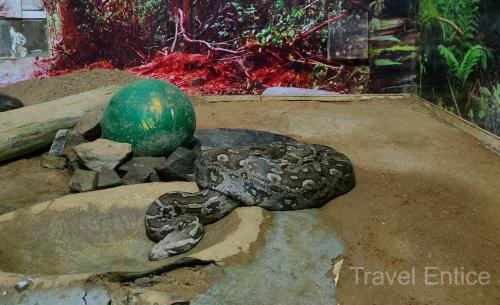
(319,72)
(463,54)
(286,21)
(389,38)
(494,94)
(379,7)
(459,19)
(486,108)
(387,62)
(396,48)
(461,69)
(285,26)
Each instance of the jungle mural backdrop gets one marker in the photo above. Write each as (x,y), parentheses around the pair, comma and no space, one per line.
(445,50)
(238,46)
(209,46)
(460,61)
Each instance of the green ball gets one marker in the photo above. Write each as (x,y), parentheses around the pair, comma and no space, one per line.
(152,115)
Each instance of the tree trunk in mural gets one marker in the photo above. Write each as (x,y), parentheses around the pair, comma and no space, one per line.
(69,24)
(188,23)
(188,18)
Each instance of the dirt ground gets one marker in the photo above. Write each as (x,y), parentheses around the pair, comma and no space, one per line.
(45,89)
(426,196)
(24,183)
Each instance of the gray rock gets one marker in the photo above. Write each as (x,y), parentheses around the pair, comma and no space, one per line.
(72,140)
(179,165)
(108,178)
(88,126)
(71,156)
(148,163)
(293,91)
(83,181)
(57,148)
(9,103)
(195,146)
(52,162)
(137,175)
(23,284)
(73,166)
(4,209)
(148,281)
(102,154)
(154,178)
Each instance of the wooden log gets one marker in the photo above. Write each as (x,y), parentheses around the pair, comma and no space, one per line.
(33,128)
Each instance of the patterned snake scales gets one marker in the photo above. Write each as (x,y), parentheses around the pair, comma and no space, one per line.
(278,176)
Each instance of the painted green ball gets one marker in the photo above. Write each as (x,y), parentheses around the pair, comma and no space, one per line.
(152,115)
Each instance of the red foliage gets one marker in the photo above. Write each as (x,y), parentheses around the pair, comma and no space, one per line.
(200,74)
(108,34)
(96,65)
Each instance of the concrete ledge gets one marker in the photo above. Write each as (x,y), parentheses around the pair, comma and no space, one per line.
(488,139)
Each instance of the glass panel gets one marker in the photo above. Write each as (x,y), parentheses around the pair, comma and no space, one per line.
(10,8)
(32,5)
(348,39)
(21,38)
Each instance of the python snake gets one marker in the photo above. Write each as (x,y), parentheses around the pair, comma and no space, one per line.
(278,176)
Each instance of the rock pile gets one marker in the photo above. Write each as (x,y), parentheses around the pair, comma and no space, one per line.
(96,163)
(103,164)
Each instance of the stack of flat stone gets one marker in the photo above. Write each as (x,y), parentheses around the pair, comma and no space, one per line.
(102,164)
(96,163)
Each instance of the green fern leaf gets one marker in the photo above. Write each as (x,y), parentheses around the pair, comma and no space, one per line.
(450,58)
(470,61)
(496,95)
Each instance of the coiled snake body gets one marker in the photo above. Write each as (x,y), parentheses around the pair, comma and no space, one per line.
(277,176)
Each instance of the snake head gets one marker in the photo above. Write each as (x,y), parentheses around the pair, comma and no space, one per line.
(185,232)
(159,252)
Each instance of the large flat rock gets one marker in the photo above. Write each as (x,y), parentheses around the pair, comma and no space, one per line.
(102,154)
(103,231)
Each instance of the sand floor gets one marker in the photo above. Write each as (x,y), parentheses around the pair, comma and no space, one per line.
(427,194)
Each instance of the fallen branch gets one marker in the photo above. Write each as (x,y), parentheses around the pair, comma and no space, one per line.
(452,24)
(310,4)
(234,57)
(314,63)
(203,42)
(321,26)
(211,20)
(172,48)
